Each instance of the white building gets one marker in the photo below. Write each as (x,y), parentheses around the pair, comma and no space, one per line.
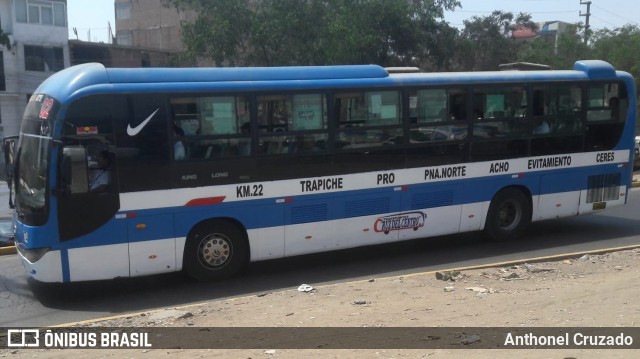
(38,47)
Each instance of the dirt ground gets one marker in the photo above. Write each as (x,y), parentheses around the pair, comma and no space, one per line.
(590,291)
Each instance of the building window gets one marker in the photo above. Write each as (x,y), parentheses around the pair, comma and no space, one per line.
(59,14)
(123,10)
(124,38)
(52,13)
(38,58)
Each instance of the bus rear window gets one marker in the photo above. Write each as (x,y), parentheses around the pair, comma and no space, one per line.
(606,103)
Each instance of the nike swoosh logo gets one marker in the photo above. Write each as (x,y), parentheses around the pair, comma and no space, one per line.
(134,131)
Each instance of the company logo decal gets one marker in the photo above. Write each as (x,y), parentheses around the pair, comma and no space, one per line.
(409,220)
(132,131)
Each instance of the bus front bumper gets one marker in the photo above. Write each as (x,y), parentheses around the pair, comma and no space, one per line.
(42,264)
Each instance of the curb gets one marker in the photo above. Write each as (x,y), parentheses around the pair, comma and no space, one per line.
(7,250)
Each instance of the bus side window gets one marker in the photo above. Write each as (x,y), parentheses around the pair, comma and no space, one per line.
(606,113)
(541,124)
(303,114)
(208,127)
(457,105)
(100,172)
(88,130)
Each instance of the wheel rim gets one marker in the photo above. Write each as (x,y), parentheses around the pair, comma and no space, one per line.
(215,251)
(509,215)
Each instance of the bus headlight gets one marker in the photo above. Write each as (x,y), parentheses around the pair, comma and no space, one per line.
(33,255)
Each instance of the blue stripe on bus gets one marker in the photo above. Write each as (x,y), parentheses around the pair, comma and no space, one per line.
(66,272)
(262,213)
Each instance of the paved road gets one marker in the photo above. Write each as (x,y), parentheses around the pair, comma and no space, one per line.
(26,303)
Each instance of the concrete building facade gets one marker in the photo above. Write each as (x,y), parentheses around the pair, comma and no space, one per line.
(149,24)
(37,47)
(111,55)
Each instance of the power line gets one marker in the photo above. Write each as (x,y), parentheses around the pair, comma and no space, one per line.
(614,14)
(603,20)
(528,12)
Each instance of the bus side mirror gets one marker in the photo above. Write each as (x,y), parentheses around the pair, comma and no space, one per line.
(9,145)
(74,173)
(9,148)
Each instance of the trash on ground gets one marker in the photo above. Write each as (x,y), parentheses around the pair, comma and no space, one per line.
(535,269)
(478,289)
(448,275)
(305,288)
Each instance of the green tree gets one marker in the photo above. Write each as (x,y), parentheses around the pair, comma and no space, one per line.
(4,39)
(559,52)
(316,32)
(620,47)
(486,41)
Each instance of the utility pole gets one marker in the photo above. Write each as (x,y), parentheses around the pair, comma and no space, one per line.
(586,25)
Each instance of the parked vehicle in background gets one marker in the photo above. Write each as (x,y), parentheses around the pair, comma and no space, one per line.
(6,232)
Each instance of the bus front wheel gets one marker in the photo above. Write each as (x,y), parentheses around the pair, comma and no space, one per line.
(215,250)
(509,215)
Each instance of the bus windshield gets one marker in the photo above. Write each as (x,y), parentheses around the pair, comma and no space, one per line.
(33,157)
(32,173)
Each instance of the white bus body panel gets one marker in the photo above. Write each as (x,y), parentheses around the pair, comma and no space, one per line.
(47,269)
(152,257)
(99,262)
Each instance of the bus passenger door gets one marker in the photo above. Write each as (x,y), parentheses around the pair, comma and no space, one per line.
(87,192)
(95,241)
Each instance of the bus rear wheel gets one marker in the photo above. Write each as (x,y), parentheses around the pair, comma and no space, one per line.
(215,250)
(509,215)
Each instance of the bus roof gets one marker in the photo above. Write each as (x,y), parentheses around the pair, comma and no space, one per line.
(94,78)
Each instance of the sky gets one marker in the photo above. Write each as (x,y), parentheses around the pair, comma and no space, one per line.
(91,17)
(604,13)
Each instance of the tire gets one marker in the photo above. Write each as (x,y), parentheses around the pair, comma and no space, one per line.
(215,250)
(509,215)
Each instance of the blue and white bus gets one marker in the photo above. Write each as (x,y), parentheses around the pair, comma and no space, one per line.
(208,169)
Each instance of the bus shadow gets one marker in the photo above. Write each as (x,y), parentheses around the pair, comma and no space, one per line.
(105,298)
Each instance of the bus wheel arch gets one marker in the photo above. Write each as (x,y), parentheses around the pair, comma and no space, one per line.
(216,249)
(509,213)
